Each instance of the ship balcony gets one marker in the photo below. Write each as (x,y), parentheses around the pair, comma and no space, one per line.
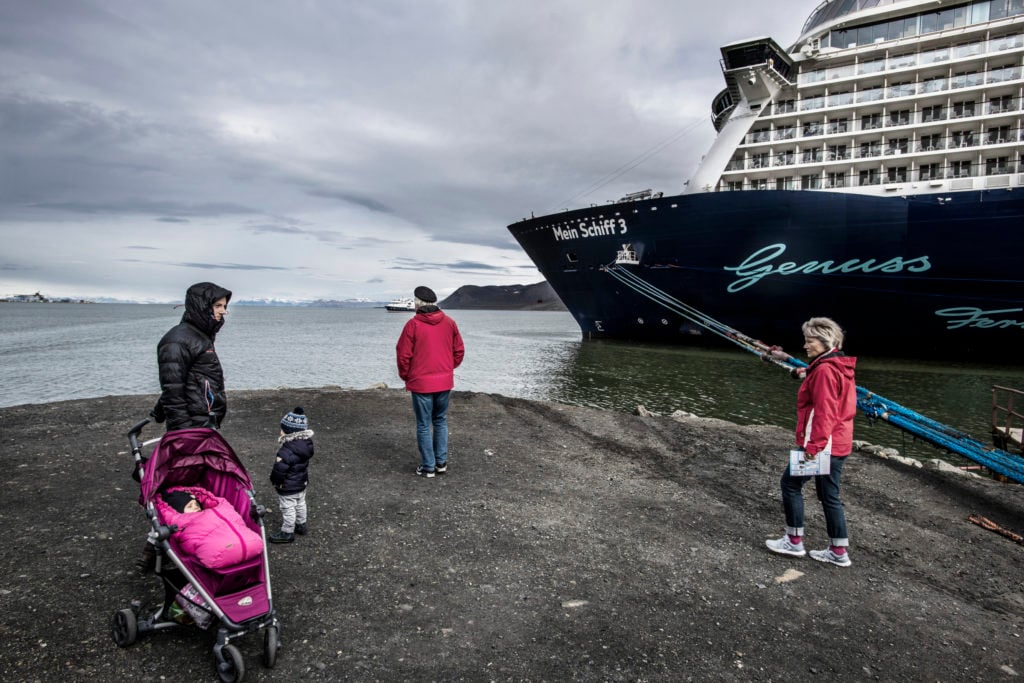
(1006,105)
(993,173)
(963,53)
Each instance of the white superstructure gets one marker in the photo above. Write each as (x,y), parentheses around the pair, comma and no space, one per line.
(882,97)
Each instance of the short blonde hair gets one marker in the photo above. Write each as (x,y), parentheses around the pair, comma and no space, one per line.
(825,330)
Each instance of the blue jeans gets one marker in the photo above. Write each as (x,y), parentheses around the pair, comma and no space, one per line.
(827,488)
(432,411)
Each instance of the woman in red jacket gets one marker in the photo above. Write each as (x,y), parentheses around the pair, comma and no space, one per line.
(825,407)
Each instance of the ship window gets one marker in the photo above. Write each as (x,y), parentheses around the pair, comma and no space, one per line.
(935,56)
(811,103)
(812,128)
(963,109)
(997,136)
(898,174)
(934,84)
(870,94)
(997,166)
(784,183)
(785,133)
(871,121)
(932,113)
(785,107)
(871,66)
(869,34)
(899,118)
(928,172)
(902,61)
(898,146)
(998,105)
(838,126)
(1006,73)
(815,76)
(969,50)
(901,90)
(963,138)
(835,72)
(835,180)
(931,143)
(837,153)
(811,156)
(961,169)
(902,28)
(810,182)
(871,177)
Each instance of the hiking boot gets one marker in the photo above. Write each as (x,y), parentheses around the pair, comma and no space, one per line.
(281,537)
(827,555)
(784,546)
(424,473)
(300,529)
(442,468)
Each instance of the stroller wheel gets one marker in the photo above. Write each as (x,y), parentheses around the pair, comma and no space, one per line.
(231,667)
(271,646)
(124,628)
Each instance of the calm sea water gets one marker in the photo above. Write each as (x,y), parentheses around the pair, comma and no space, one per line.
(55,352)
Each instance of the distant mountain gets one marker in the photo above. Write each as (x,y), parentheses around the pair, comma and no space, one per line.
(537,297)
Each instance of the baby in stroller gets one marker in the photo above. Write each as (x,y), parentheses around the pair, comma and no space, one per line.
(209,528)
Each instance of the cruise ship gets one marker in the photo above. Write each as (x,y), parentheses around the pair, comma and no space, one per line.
(870,172)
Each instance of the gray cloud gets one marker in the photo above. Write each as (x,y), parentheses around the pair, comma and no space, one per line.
(331,137)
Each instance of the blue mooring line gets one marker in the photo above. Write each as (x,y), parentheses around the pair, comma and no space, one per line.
(873,406)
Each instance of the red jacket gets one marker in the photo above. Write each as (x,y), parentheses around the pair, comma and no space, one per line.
(217,535)
(826,405)
(428,351)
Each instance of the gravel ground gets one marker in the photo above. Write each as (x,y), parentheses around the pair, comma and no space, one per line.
(564,544)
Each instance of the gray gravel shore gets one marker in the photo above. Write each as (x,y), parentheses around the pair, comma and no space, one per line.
(564,544)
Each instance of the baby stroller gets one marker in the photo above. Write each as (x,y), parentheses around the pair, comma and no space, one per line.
(237,598)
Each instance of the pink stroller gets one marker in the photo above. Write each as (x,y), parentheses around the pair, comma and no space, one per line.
(237,597)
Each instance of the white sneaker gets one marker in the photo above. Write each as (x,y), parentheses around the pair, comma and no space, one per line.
(827,555)
(783,546)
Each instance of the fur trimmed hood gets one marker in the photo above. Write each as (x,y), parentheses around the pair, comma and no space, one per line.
(304,434)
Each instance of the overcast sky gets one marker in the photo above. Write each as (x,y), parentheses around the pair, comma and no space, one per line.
(308,149)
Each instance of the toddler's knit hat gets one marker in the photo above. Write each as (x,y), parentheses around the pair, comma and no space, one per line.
(295,421)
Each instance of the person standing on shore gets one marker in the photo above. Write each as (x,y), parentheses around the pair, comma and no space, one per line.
(191,380)
(192,390)
(826,405)
(290,474)
(428,351)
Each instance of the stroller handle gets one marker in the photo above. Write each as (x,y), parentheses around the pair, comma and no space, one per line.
(133,440)
(133,435)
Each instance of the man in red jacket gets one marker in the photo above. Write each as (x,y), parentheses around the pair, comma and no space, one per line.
(428,351)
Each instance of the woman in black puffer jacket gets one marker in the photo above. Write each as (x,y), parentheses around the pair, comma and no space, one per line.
(192,390)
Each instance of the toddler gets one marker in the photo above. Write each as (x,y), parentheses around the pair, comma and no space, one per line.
(290,474)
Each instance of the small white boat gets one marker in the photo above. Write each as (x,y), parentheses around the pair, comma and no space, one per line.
(404,304)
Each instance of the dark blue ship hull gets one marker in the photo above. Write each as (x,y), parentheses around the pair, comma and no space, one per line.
(926,275)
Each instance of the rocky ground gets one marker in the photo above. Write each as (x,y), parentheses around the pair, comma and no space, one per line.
(564,544)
